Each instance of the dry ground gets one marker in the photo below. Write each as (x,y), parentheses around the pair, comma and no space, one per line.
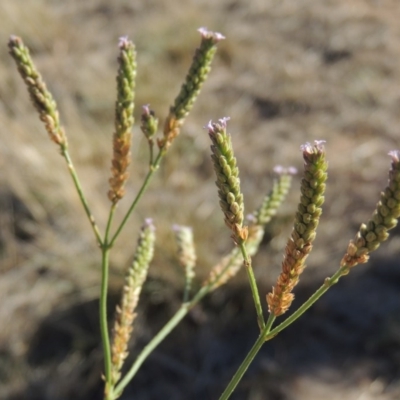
(288,72)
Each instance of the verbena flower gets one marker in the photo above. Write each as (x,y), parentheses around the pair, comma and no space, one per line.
(186,254)
(123,119)
(275,198)
(307,218)
(229,266)
(384,218)
(228,182)
(135,278)
(198,72)
(38,92)
(149,123)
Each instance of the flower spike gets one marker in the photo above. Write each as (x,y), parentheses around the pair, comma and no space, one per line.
(307,217)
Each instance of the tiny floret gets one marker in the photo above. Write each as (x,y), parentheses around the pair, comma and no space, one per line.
(148,222)
(207,34)
(280,170)
(319,144)
(210,126)
(395,154)
(306,147)
(222,122)
(123,42)
(146,109)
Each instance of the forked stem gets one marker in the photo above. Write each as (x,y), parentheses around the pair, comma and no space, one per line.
(166,330)
(153,168)
(268,334)
(328,283)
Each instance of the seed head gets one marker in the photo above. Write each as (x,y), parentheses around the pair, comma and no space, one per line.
(307,217)
(41,98)
(125,315)
(384,218)
(228,182)
(198,72)
(123,119)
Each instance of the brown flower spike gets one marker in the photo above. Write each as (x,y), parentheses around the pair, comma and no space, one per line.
(123,119)
(228,182)
(39,94)
(307,217)
(383,219)
(135,278)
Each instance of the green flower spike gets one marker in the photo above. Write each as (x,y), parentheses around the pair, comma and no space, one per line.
(198,72)
(273,200)
(186,255)
(384,218)
(149,123)
(228,182)
(229,266)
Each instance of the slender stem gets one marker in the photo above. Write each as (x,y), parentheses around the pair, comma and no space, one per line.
(268,325)
(109,223)
(157,339)
(329,282)
(103,315)
(268,334)
(109,393)
(74,175)
(253,285)
(243,368)
(166,330)
(151,152)
(161,335)
(186,292)
(146,182)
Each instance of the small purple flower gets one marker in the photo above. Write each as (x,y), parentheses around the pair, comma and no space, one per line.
(395,154)
(123,42)
(207,34)
(148,223)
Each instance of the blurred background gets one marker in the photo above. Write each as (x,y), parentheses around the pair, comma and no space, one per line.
(288,72)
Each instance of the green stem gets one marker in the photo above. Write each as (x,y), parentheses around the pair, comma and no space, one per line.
(103,318)
(164,332)
(151,152)
(74,175)
(329,282)
(253,285)
(268,334)
(186,292)
(146,182)
(243,368)
(161,335)
(270,321)
(109,223)
(179,315)
(167,329)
